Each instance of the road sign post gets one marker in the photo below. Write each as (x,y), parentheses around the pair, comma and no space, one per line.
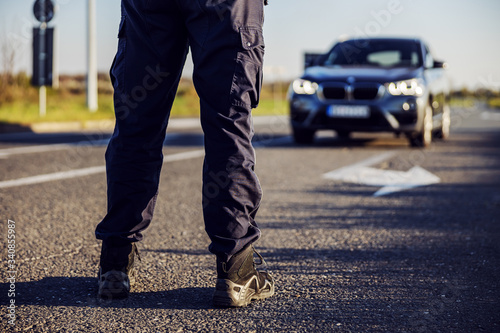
(91,57)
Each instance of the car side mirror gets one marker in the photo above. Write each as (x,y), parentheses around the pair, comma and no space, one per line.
(440,64)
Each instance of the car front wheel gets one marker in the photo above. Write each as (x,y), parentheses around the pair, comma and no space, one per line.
(423,138)
(444,132)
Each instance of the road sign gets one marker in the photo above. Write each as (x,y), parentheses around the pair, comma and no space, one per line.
(43,45)
(43,10)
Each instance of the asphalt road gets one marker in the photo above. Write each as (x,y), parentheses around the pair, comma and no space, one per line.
(425,259)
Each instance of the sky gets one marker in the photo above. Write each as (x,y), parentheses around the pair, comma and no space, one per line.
(464,33)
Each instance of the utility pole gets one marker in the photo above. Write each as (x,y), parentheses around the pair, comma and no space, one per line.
(91,57)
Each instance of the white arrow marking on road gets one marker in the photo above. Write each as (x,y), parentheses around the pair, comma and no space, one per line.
(390,180)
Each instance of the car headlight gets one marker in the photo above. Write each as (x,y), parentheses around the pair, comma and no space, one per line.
(411,87)
(304,87)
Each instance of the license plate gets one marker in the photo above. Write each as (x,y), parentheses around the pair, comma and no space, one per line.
(348,111)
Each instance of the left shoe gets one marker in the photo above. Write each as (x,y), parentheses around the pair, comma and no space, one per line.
(116,271)
(238,281)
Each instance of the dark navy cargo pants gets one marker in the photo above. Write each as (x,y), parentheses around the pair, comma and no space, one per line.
(227,46)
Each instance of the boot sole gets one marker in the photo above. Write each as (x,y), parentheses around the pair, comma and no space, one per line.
(231,295)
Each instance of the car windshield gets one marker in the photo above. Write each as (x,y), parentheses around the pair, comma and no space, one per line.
(377,53)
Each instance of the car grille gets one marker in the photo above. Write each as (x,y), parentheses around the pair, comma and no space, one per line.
(365,93)
(360,91)
(334,92)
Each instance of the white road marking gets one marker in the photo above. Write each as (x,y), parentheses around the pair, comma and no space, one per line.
(489,115)
(98,169)
(390,180)
(52,176)
(183,123)
(88,171)
(184,156)
(56,147)
(32,149)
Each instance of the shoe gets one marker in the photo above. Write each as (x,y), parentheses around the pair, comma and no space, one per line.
(239,283)
(116,271)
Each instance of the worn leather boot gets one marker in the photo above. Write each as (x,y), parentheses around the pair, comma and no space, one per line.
(116,270)
(239,283)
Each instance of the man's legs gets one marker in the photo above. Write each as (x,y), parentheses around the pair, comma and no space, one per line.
(228,48)
(145,74)
(227,45)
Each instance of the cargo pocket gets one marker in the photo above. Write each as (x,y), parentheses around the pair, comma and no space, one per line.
(247,79)
(117,71)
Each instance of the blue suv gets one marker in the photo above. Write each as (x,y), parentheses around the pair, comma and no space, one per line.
(372,85)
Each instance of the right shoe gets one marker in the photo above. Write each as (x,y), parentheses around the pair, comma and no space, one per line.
(238,281)
(116,271)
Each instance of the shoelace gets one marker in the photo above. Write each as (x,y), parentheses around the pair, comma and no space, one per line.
(262,261)
(136,250)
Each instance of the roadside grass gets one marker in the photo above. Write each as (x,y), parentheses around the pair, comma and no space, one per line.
(463,102)
(468,102)
(65,107)
(59,109)
(494,102)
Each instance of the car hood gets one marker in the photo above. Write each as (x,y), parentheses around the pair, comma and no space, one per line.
(321,74)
